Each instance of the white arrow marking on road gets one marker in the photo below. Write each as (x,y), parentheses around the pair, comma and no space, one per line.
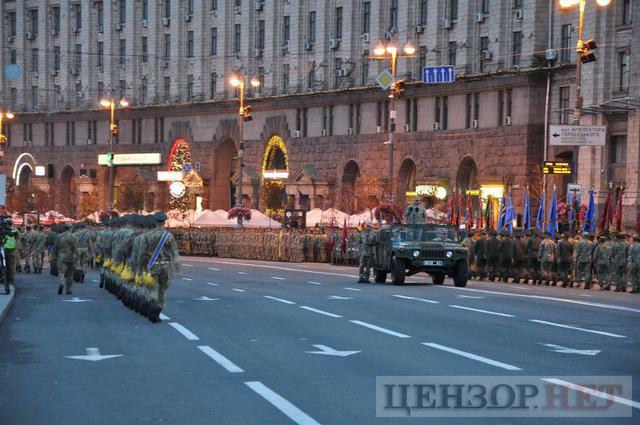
(469,296)
(75,300)
(566,350)
(203,298)
(93,355)
(328,351)
(187,278)
(338,297)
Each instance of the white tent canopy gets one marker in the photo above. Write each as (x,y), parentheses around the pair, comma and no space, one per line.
(330,217)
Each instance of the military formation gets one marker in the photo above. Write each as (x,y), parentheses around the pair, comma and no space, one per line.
(565,260)
(136,258)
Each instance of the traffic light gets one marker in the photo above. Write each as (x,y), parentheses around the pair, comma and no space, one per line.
(587,54)
(246,113)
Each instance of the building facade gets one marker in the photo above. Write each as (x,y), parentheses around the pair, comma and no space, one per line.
(318,113)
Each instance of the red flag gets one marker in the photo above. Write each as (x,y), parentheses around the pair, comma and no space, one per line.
(452,208)
(459,215)
(469,213)
(345,236)
(607,213)
(619,211)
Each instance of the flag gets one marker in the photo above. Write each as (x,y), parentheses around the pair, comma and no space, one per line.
(345,236)
(540,216)
(607,214)
(452,207)
(459,214)
(503,212)
(552,227)
(619,223)
(527,210)
(510,214)
(488,215)
(590,217)
(469,218)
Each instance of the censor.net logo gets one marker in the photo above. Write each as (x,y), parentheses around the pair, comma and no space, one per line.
(503,396)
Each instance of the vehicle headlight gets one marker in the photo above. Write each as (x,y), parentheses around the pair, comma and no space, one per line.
(416,253)
(449,254)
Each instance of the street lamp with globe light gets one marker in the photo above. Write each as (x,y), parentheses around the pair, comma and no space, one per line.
(111,104)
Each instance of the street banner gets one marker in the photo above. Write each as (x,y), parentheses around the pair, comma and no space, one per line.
(577,135)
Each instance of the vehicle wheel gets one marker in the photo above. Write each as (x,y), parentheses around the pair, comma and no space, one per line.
(381,276)
(461,275)
(437,278)
(398,271)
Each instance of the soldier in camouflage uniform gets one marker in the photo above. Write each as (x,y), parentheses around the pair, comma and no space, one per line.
(83,248)
(602,258)
(493,256)
(584,250)
(66,254)
(39,249)
(469,242)
(564,255)
(26,248)
(547,258)
(619,253)
(415,214)
(633,263)
(506,252)
(480,251)
(533,261)
(519,258)
(367,241)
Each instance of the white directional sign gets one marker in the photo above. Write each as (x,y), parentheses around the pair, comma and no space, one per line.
(93,355)
(567,350)
(328,351)
(577,135)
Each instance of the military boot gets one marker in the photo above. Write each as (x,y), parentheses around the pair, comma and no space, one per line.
(60,289)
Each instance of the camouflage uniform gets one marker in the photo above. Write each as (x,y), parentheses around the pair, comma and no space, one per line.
(547,258)
(367,241)
(519,259)
(480,253)
(493,256)
(506,256)
(66,254)
(39,249)
(584,250)
(602,258)
(415,214)
(564,255)
(619,265)
(633,263)
(533,261)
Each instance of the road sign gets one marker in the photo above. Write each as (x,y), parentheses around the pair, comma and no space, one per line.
(574,188)
(131,159)
(438,74)
(555,167)
(577,135)
(385,79)
(169,176)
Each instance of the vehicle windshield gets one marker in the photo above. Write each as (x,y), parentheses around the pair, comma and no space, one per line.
(424,234)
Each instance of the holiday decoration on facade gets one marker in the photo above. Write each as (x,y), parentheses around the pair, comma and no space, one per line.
(275,171)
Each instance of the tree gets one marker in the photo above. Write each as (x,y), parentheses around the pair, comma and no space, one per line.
(132,198)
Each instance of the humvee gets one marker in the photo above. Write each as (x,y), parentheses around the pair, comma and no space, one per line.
(406,249)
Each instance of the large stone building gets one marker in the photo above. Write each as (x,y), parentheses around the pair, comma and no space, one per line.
(319,118)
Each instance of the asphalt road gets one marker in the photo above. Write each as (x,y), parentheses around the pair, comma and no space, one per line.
(235,347)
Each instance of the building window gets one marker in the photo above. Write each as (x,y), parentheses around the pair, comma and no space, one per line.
(285,77)
(468,111)
(167,8)
(261,31)
(145,49)
(143,90)
(77,14)
(509,102)
(13,56)
(122,11)
(286,30)
(517,48)
(167,46)
(145,9)
(190,7)
(34,60)
(260,79)
(393,14)
(77,56)
(565,43)
(122,88)
(237,38)
(618,149)
(190,87)
(189,44)
(500,108)
(99,13)
(563,105)
(33,17)
(330,120)
(56,58)
(358,119)
(214,41)
(304,122)
(167,88)
(445,112)
(485,7)
(424,4)
(12,21)
(100,54)
(437,111)
(312,27)
(213,85)
(324,119)
(366,16)
(213,5)
(100,89)
(484,47)
(627,12)
(623,70)
(409,116)
(71,133)
(453,48)
(55,17)
(453,10)
(122,57)
(517,4)
(158,130)
(364,77)
(338,22)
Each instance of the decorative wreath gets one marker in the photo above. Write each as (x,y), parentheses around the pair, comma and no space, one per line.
(236,212)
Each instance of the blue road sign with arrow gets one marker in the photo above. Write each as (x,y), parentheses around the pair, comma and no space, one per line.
(438,74)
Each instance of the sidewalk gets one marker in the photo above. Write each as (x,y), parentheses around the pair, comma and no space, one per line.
(6,301)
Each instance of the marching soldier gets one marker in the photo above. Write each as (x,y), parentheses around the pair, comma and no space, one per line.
(469,243)
(564,252)
(506,255)
(83,248)
(519,258)
(619,253)
(367,241)
(633,263)
(584,250)
(480,251)
(547,257)
(602,258)
(533,262)
(66,254)
(493,256)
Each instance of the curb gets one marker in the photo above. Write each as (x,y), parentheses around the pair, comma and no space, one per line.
(7,306)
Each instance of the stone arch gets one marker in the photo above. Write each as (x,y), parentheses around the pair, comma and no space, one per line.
(224,185)
(350,185)
(467,179)
(67,195)
(274,175)
(407,178)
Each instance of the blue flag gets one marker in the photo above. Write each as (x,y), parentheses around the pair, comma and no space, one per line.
(527,211)
(540,216)
(510,214)
(502,214)
(552,227)
(590,218)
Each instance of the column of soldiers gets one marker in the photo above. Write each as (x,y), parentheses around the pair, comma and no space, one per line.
(565,260)
(136,258)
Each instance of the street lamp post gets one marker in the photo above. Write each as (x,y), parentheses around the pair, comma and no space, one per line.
(237,81)
(390,51)
(3,116)
(113,130)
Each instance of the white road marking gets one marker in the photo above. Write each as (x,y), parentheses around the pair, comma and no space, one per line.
(291,411)
(238,290)
(95,281)
(184,331)
(203,298)
(542,297)
(482,311)
(93,355)
(278,278)
(567,350)
(212,284)
(314,283)
(328,351)
(279,299)
(214,269)
(424,300)
(315,310)
(187,279)
(187,265)
(338,297)
(75,300)
(352,289)
(471,356)
(243,273)
(290,269)
(379,329)
(220,359)
(595,393)
(469,296)
(560,325)
(164,317)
